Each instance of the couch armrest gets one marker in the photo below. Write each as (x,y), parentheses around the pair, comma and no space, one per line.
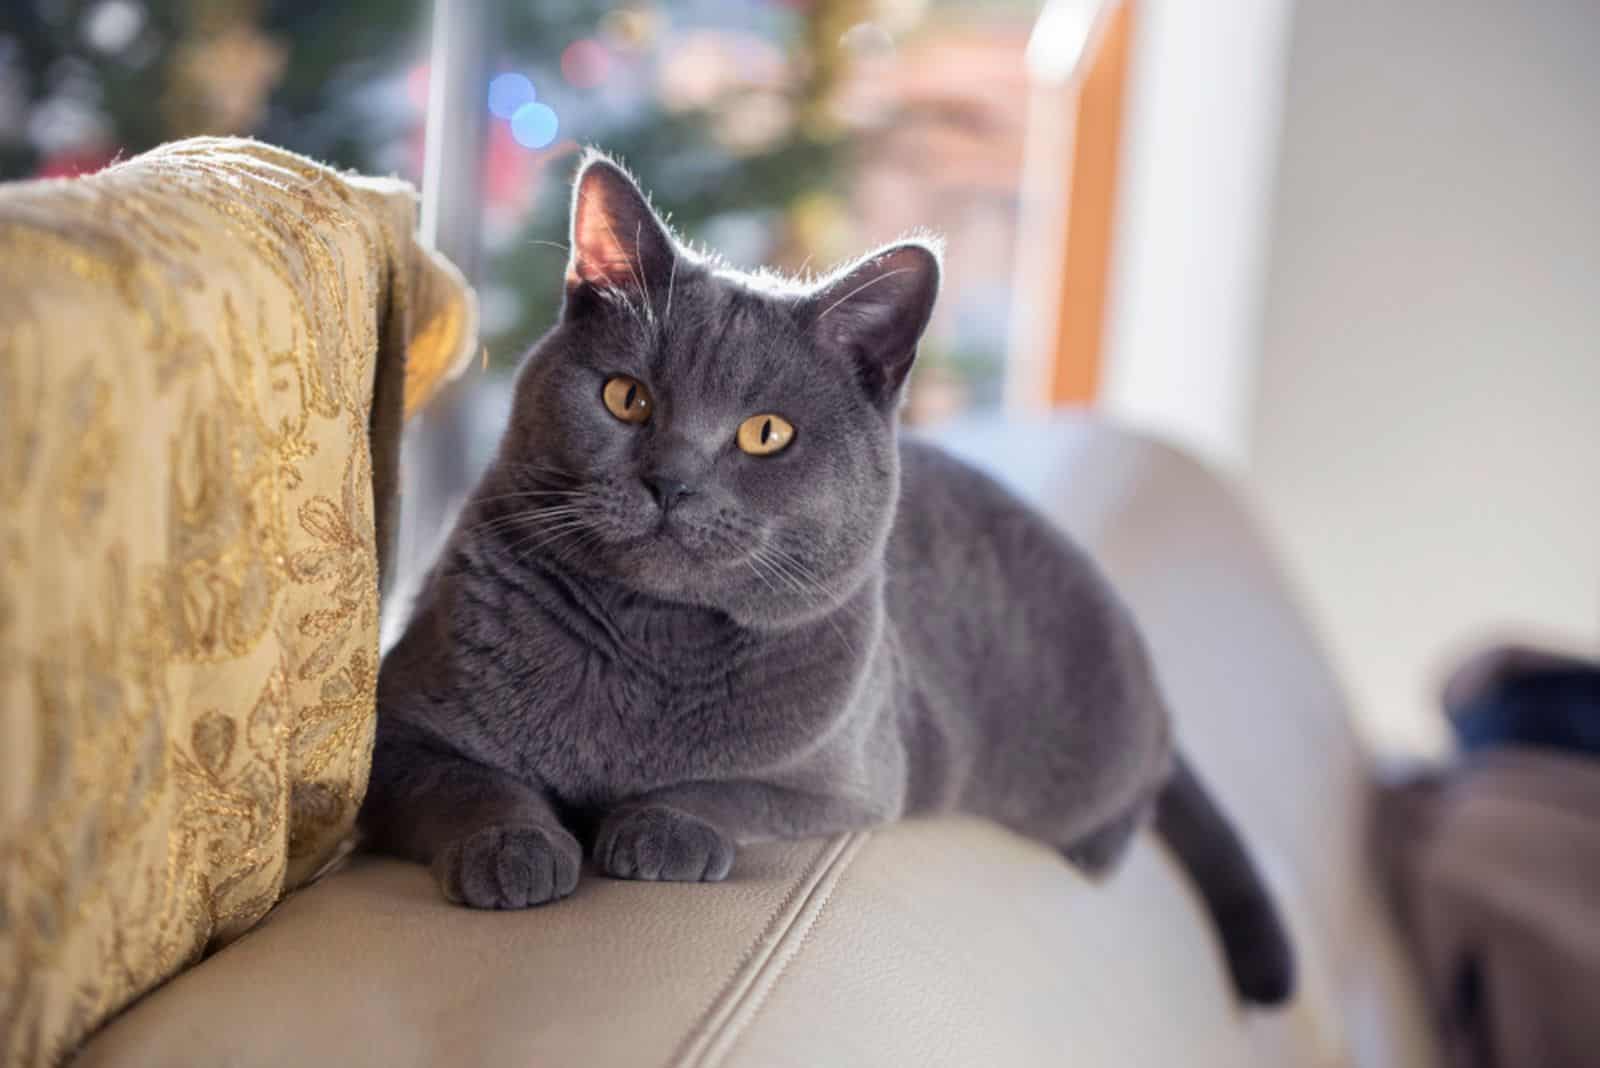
(927,943)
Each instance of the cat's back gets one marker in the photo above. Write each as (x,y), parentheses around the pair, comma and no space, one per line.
(974,569)
(966,552)
(1014,644)
(959,527)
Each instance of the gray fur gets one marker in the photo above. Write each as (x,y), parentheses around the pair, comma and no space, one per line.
(851,631)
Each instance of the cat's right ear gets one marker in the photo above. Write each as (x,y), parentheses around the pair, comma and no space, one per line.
(618,243)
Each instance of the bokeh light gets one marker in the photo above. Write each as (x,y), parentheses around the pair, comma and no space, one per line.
(632,29)
(699,67)
(508,92)
(867,41)
(534,125)
(112,25)
(417,86)
(585,63)
(753,122)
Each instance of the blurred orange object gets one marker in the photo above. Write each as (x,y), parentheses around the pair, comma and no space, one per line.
(1091,209)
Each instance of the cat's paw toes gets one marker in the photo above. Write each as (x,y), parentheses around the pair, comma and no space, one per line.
(659,842)
(509,866)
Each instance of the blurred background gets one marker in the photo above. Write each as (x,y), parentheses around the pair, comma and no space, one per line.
(1345,250)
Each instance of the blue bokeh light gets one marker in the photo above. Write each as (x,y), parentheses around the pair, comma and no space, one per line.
(534,125)
(508,92)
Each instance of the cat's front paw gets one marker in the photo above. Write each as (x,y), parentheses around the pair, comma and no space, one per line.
(509,866)
(659,842)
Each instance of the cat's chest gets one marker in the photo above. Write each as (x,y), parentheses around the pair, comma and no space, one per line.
(645,709)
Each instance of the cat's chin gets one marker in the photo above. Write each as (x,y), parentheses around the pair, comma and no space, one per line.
(679,562)
(668,571)
(658,563)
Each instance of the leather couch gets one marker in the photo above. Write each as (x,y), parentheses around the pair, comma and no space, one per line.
(928,943)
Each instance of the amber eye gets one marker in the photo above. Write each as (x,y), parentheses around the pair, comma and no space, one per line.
(763,435)
(627,399)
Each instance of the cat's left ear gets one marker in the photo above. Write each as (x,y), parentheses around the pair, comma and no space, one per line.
(875,313)
(617,241)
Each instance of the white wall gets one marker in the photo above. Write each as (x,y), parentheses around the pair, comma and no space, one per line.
(1200,150)
(1426,427)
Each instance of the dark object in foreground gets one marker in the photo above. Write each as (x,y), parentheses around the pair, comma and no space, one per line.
(1496,866)
(1524,697)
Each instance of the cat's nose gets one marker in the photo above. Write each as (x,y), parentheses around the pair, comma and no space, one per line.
(667,490)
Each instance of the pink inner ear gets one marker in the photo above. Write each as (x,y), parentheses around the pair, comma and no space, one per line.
(600,255)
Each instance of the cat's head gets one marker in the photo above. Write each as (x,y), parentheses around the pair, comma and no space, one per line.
(711,437)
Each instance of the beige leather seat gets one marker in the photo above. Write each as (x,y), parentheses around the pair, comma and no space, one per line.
(935,943)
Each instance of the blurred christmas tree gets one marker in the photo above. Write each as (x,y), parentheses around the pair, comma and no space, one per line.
(722,106)
(84,82)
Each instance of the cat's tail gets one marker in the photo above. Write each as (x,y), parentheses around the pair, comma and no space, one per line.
(1254,938)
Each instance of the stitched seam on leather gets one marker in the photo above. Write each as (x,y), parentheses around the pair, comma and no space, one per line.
(694,1042)
(778,966)
(797,934)
(724,1007)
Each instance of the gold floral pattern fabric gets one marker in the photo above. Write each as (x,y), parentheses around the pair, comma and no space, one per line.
(191,344)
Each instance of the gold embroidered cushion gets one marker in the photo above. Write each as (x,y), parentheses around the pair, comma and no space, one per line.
(201,354)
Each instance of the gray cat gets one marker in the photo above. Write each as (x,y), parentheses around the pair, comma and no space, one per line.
(706,596)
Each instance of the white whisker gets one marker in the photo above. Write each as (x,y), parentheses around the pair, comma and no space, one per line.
(864,285)
(531,493)
(799,578)
(672,278)
(637,279)
(638,232)
(547,536)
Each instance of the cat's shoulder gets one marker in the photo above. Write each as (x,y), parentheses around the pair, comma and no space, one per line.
(928,470)
(946,496)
